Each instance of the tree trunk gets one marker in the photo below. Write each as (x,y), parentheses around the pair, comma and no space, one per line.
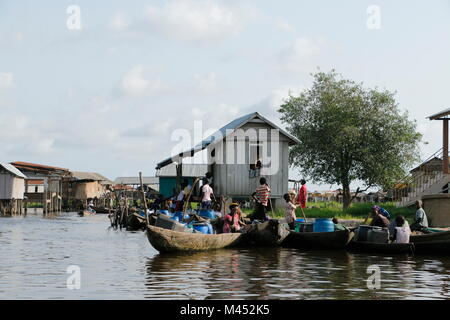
(346,197)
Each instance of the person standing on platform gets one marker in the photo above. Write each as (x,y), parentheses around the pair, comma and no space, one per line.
(261,196)
(302,194)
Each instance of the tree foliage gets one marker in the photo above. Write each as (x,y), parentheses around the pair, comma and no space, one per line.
(348,133)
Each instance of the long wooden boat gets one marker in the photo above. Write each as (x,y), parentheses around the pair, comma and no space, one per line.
(388,248)
(432,247)
(165,240)
(435,236)
(269,233)
(102,209)
(86,213)
(318,240)
(136,222)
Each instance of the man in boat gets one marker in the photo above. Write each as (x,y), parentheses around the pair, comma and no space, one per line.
(180,198)
(302,194)
(261,197)
(421,220)
(232,222)
(207,193)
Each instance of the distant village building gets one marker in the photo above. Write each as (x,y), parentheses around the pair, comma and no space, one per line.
(12,189)
(239,154)
(84,186)
(50,178)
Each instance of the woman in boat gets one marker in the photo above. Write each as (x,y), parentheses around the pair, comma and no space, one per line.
(402,231)
(232,222)
(378,219)
(289,211)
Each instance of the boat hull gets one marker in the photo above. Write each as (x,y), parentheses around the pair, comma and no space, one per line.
(318,240)
(268,234)
(388,248)
(166,241)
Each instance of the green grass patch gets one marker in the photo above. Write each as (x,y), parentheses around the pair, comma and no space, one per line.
(334,209)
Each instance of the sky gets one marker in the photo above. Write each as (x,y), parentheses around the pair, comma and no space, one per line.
(106,86)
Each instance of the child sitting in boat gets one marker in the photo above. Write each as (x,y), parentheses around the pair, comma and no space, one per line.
(289,211)
(232,222)
(402,231)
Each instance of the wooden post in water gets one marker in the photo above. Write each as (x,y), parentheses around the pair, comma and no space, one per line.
(143,198)
(445,147)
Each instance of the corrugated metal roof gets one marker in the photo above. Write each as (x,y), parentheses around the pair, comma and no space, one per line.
(31,166)
(221,134)
(189,170)
(13,170)
(440,115)
(135,180)
(79,175)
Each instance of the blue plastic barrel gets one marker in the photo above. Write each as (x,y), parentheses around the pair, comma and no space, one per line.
(178,216)
(323,225)
(166,212)
(202,227)
(208,214)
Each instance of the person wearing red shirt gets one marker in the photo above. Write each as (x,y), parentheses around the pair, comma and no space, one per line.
(302,194)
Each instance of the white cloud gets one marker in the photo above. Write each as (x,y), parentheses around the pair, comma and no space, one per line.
(203,20)
(283,25)
(206,83)
(119,22)
(6,80)
(135,83)
(300,56)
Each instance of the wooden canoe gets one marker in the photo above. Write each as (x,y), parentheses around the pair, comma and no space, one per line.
(269,233)
(388,248)
(136,222)
(86,213)
(430,237)
(318,240)
(432,247)
(165,240)
(102,210)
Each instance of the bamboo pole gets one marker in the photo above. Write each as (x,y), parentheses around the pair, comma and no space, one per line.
(143,198)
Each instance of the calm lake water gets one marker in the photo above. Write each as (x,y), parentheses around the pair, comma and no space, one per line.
(35,252)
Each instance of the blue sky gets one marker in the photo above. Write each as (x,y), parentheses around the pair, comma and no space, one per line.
(108,97)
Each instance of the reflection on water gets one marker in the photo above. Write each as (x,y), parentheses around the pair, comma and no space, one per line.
(35,253)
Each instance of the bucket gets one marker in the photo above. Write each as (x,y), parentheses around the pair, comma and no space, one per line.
(362,231)
(323,225)
(202,227)
(208,214)
(378,236)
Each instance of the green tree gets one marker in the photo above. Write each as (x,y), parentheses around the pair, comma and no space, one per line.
(349,133)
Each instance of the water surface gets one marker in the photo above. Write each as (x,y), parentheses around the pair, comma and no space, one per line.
(35,252)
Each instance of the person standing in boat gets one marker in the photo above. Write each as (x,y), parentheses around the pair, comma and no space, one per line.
(232,222)
(207,193)
(261,197)
(180,198)
(289,211)
(302,194)
(421,220)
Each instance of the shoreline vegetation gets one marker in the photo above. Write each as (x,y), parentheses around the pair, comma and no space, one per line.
(358,211)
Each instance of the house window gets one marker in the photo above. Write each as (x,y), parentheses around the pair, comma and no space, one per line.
(255,159)
(36,189)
